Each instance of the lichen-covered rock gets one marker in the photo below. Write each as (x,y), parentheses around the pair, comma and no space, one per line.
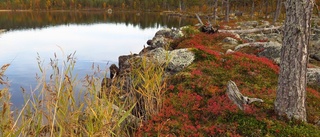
(314,50)
(124,63)
(315,56)
(180,59)
(164,37)
(313,76)
(254,24)
(159,41)
(252,44)
(264,24)
(230,40)
(164,32)
(169,33)
(274,37)
(176,59)
(252,37)
(270,50)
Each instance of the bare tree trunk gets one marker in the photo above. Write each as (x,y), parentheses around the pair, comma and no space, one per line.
(222,4)
(278,11)
(264,30)
(227,10)
(180,7)
(244,4)
(252,9)
(291,92)
(261,5)
(215,12)
(267,6)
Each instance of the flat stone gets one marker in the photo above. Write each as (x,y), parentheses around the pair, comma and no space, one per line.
(230,40)
(176,59)
(271,50)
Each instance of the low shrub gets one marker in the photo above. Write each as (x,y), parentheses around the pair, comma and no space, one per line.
(197,104)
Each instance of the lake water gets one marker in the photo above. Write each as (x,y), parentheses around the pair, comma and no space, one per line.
(97,37)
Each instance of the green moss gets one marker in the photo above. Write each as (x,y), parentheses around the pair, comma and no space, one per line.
(294,130)
(246,125)
(190,31)
(201,56)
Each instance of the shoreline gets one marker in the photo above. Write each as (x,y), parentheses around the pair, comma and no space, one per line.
(14,10)
(165,12)
(72,10)
(2,30)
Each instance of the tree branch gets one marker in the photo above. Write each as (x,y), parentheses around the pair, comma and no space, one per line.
(271,29)
(237,98)
(200,21)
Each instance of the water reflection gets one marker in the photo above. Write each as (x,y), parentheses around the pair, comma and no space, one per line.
(98,43)
(26,20)
(96,37)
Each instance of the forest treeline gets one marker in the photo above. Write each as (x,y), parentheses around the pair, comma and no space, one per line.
(27,20)
(204,6)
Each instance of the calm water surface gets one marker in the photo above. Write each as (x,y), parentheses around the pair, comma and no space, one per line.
(97,38)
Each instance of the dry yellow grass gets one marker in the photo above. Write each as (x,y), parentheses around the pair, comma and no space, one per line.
(56,106)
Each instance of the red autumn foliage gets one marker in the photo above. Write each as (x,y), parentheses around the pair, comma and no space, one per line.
(220,104)
(262,60)
(186,114)
(197,103)
(171,87)
(313,92)
(206,42)
(178,107)
(196,72)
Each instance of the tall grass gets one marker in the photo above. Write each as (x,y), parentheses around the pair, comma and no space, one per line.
(149,82)
(62,105)
(6,119)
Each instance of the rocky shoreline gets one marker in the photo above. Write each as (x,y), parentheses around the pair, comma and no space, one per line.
(269,45)
(157,52)
(162,46)
(160,51)
(2,31)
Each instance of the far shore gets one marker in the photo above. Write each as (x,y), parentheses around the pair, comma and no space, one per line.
(52,10)
(56,10)
(13,10)
(71,10)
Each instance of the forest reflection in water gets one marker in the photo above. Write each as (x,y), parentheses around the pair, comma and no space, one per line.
(40,19)
(97,37)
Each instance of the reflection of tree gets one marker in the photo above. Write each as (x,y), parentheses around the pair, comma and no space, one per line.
(26,20)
